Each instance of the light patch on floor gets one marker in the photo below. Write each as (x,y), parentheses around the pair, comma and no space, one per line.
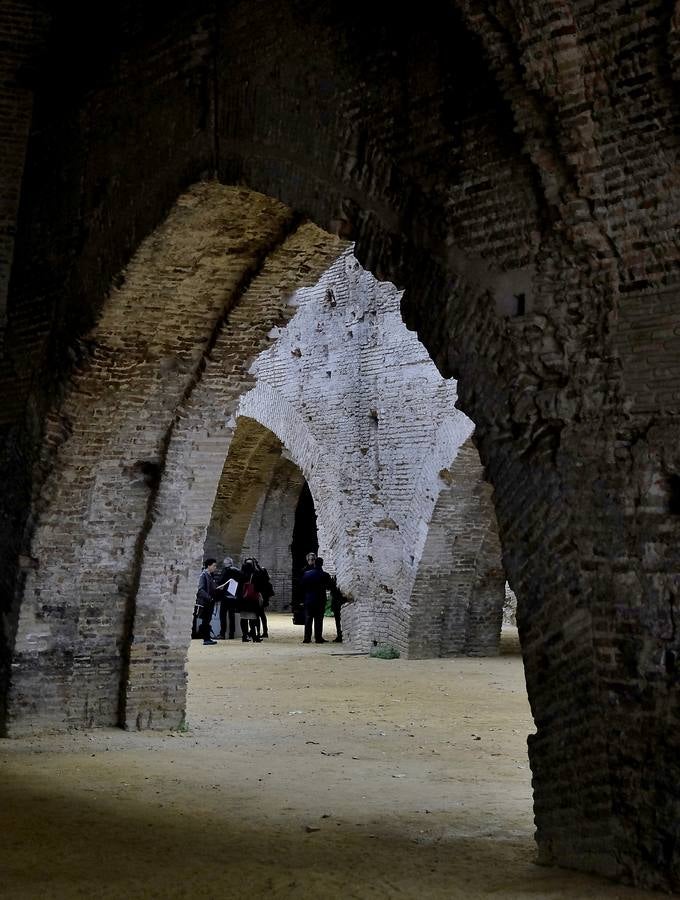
(304,773)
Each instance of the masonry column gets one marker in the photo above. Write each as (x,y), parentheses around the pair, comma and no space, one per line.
(459,590)
(592,546)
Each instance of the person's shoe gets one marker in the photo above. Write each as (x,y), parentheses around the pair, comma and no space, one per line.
(265,634)
(257,640)
(246,640)
(209,643)
(320,641)
(306,641)
(222,637)
(338,640)
(231,637)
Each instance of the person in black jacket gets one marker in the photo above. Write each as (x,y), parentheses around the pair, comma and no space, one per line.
(298,594)
(230,595)
(315,583)
(266,590)
(254,573)
(250,602)
(336,603)
(205,599)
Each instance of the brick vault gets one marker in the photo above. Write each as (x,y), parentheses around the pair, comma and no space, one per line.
(513,167)
(358,406)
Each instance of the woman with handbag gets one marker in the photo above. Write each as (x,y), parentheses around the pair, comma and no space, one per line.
(266,591)
(251,601)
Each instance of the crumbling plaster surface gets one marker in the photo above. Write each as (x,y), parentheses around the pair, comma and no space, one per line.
(361,409)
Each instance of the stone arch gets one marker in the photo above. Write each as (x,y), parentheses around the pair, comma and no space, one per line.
(270,439)
(214,279)
(270,533)
(270,408)
(155,677)
(366,389)
(510,195)
(260,422)
(259,489)
(248,469)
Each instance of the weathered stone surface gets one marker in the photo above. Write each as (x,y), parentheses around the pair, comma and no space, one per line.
(128,425)
(457,599)
(270,533)
(491,158)
(199,439)
(360,408)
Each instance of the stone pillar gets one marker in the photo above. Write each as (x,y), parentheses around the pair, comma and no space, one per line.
(457,600)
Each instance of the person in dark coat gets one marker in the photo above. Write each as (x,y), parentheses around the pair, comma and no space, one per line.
(266,590)
(298,597)
(336,603)
(249,603)
(229,597)
(205,599)
(315,582)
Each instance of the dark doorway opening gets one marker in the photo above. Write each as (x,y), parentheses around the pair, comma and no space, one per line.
(305,539)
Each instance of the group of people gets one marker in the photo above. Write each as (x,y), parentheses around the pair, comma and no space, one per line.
(314,584)
(245,591)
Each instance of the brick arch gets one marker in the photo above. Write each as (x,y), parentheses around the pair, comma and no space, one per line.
(270,533)
(271,456)
(365,388)
(273,411)
(218,466)
(548,184)
(214,279)
(267,428)
(253,456)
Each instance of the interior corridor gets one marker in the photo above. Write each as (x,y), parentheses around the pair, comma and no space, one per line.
(299,765)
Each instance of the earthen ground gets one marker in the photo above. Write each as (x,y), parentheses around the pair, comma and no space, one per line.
(305,772)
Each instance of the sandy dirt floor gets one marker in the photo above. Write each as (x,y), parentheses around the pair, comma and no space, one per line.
(305,772)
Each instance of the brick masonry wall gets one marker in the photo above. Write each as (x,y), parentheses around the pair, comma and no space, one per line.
(205,423)
(488,157)
(379,428)
(115,436)
(23,36)
(254,454)
(270,533)
(458,595)
(555,193)
(100,171)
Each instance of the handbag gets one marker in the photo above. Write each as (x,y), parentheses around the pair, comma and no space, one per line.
(250,592)
(251,596)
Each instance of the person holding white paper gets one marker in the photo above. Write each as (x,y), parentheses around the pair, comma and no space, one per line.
(229,596)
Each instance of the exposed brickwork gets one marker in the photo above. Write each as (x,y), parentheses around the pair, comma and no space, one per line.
(648,342)
(360,407)
(270,533)
(197,447)
(457,600)
(484,156)
(113,438)
(254,455)
(22,36)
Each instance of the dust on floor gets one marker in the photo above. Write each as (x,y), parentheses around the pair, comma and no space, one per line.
(305,772)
